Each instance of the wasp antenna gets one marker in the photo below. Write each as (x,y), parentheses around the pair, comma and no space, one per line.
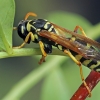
(30,14)
(14,28)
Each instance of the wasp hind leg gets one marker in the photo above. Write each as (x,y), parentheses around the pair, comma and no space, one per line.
(81,29)
(80,66)
(44,54)
(46,49)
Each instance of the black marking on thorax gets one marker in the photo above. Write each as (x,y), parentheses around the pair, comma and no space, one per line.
(41,24)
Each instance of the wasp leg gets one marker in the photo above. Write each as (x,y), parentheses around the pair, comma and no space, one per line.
(44,54)
(30,14)
(14,28)
(25,41)
(80,66)
(78,27)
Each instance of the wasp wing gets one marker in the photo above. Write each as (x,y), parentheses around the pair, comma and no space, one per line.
(80,36)
(89,51)
(85,51)
(60,40)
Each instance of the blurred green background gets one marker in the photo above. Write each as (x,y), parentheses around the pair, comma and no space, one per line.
(66,78)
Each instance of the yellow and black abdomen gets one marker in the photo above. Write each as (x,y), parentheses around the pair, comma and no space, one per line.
(90,63)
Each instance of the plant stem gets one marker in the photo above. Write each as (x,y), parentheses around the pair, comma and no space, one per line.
(92,80)
(28,52)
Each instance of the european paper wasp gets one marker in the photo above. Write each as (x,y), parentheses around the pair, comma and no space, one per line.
(78,47)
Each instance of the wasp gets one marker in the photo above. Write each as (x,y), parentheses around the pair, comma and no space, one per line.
(80,48)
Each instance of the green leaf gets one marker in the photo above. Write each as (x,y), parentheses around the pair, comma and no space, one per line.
(1,41)
(32,78)
(94,31)
(69,20)
(7,11)
(54,87)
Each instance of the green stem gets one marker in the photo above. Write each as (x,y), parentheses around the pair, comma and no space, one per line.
(27,52)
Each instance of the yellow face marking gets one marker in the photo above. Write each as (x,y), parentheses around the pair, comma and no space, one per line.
(22,29)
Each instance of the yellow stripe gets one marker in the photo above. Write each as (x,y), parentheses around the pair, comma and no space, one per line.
(50,29)
(29,26)
(46,25)
(98,70)
(22,29)
(78,57)
(86,62)
(94,66)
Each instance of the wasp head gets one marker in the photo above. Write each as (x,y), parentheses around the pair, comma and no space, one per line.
(22,29)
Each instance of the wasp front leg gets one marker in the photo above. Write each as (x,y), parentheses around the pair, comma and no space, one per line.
(80,66)
(81,29)
(27,39)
